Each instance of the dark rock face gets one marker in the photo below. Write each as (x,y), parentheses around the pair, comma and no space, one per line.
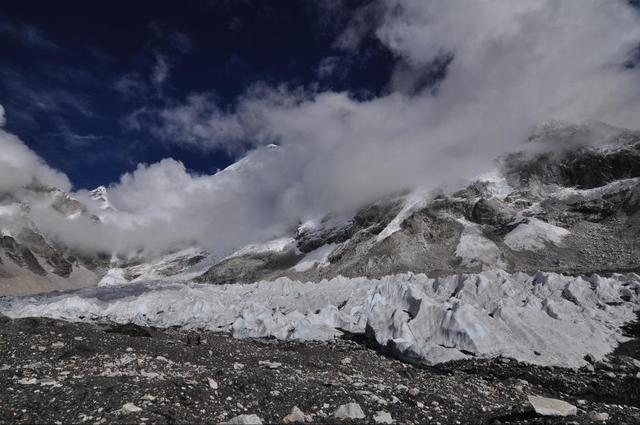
(373,218)
(21,255)
(492,211)
(53,256)
(249,268)
(582,168)
(603,223)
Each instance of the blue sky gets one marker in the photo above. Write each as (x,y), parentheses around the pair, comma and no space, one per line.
(365,99)
(73,73)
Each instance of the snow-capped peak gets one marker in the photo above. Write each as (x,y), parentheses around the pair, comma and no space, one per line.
(100,195)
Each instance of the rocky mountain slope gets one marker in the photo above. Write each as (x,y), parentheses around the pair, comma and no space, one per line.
(29,261)
(571,204)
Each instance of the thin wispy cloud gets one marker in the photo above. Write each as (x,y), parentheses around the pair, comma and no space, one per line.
(28,35)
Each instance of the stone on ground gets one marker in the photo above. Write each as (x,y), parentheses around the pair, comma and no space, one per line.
(296,416)
(349,411)
(551,406)
(129,408)
(244,420)
(598,416)
(383,417)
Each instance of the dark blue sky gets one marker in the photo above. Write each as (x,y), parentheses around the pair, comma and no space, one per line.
(71,72)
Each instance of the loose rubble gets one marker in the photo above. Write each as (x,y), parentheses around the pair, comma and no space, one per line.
(93,379)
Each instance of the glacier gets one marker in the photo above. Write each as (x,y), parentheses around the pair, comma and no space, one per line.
(546,318)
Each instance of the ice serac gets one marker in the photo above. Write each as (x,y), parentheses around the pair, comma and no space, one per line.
(547,318)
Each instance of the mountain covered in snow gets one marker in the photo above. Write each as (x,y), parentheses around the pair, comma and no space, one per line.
(562,206)
(541,251)
(569,203)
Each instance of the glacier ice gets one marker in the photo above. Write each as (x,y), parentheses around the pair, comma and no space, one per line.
(546,318)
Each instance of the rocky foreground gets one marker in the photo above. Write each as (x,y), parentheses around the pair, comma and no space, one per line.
(60,372)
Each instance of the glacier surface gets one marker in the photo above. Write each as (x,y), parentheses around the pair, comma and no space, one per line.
(547,318)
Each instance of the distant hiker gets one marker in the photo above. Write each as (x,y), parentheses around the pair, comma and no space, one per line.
(198,339)
(188,339)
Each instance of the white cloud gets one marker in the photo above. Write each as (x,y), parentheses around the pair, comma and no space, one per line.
(3,120)
(160,71)
(20,166)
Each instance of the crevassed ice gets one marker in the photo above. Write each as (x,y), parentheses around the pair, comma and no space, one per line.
(547,319)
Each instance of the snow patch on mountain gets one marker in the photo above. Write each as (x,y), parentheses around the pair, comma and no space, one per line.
(476,249)
(534,234)
(412,202)
(274,246)
(180,266)
(497,184)
(100,195)
(546,319)
(319,257)
(569,193)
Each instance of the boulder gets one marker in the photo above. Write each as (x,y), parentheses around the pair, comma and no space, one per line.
(130,408)
(551,406)
(296,416)
(383,417)
(598,416)
(349,411)
(244,420)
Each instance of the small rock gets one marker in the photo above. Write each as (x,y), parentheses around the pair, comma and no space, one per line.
(414,391)
(129,349)
(270,365)
(598,416)
(274,393)
(27,381)
(244,420)
(238,366)
(551,407)
(213,384)
(383,417)
(129,408)
(349,411)
(58,344)
(148,397)
(346,360)
(296,416)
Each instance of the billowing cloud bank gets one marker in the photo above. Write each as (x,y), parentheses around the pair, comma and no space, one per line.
(510,65)
(20,166)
